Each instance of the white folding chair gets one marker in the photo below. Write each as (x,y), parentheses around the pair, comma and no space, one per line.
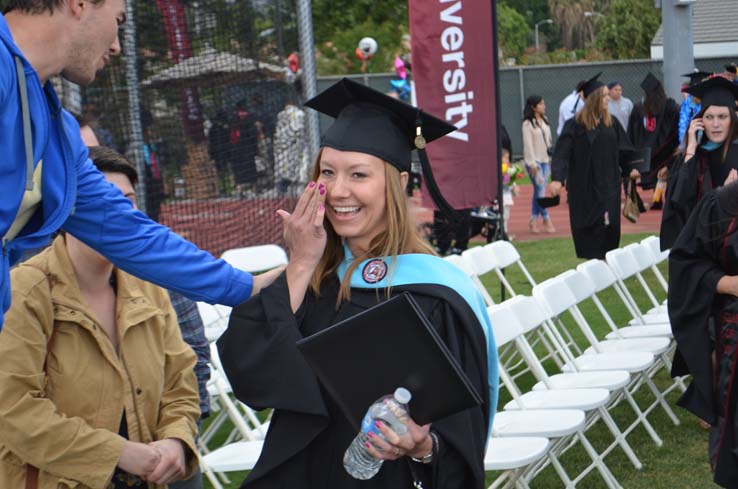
(513,456)
(625,266)
(593,401)
(233,457)
(214,319)
(646,261)
(254,259)
(464,263)
(495,257)
(595,372)
(657,256)
(604,278)
(566,426)
(557,296)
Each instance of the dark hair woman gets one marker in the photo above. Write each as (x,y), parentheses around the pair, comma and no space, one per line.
(537,148)
(654,123)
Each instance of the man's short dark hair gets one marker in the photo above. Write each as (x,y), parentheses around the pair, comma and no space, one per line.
(37,6)
(110,161)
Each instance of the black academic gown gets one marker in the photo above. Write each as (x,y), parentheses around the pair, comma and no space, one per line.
(590,164)
(703,321)
(663,140)
(308,433)
(688,181)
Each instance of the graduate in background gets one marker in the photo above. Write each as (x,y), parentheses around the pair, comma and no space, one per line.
(353,243)
(654,124)
(710,157)
(589,159)
(703,310)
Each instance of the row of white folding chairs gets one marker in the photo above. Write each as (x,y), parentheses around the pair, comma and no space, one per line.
(591,383)
(632,260)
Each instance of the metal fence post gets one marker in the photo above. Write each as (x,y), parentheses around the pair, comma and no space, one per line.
(309,75)
(136,142)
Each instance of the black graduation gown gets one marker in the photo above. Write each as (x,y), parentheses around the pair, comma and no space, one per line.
(663,140)
(705,251)
(688,181)
(590,164)
(308,433)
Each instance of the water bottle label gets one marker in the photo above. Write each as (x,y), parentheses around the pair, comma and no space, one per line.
(368,426)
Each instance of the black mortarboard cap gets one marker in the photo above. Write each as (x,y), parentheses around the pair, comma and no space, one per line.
(716,90)
(696,76)
(650,83)
(368,121)
(592,84)
(731,68)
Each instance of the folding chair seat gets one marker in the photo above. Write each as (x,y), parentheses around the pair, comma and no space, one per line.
(254,259)
(513,456)
(232,457)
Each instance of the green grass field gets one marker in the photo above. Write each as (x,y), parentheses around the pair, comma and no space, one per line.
(681,463)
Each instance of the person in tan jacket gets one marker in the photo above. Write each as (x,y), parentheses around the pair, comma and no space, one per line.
(537,150)
(98,386)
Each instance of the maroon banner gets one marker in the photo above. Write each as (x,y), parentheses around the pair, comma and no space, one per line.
(453,69)
(175,25)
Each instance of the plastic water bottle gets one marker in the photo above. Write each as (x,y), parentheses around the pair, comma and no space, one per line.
(392,410)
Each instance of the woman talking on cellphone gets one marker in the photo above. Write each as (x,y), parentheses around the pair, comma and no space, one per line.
(710,157)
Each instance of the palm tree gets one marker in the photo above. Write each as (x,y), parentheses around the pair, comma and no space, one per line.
(569,14)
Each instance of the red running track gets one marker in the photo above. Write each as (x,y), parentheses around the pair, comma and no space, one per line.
(649,221)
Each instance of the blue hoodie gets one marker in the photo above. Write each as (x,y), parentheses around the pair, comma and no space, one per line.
(77,198)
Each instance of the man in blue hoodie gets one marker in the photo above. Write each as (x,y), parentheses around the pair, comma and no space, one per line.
(47,181)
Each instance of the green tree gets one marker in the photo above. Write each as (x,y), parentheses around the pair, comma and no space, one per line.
(340,24)
(513,31)
(628,28)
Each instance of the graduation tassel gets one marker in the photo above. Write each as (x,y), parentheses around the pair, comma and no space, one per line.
(430,180)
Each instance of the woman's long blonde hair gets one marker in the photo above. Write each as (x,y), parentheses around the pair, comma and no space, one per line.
(592,113)
(400,237)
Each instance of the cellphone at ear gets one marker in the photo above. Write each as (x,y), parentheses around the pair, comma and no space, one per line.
(700,134)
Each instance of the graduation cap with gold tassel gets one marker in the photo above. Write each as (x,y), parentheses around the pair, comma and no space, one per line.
(368,121)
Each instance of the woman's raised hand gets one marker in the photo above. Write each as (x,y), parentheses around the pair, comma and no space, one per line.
(694,126)
(305,237)
(304,233)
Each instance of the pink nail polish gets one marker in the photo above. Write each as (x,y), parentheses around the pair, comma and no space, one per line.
(321,208)
(370,434)
(312,184)
(378,424)
(322,190)
(368,445)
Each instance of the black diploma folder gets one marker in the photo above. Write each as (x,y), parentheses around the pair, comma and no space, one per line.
(640,159)
(548,201)
(390,345)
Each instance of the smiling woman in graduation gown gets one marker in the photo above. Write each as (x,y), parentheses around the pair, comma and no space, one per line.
(588,160)
(365,249)
(703,285)
(704,164)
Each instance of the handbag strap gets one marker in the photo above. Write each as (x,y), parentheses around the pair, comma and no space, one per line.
(26,114)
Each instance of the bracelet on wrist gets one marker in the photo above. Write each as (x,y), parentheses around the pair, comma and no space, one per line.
(426,459)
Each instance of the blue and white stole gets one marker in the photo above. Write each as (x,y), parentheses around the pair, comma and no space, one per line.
(417,268)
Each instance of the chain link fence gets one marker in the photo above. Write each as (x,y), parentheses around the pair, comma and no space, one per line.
(206,100)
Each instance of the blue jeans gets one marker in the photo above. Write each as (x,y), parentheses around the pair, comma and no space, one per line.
(539,189)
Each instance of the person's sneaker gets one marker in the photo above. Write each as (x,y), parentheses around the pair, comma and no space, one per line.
(548,226)
(533,226)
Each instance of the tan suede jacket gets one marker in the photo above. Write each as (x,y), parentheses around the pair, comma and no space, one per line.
(62,396)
